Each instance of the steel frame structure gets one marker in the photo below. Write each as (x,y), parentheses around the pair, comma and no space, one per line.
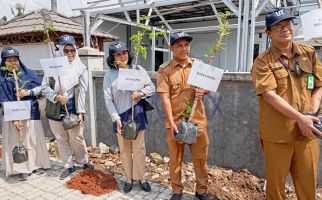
(245,11)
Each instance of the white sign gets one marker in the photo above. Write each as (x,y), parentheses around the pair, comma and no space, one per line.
(58,66)
(67,83)
(312,24)
(16,110)
(205,76)
(130,79)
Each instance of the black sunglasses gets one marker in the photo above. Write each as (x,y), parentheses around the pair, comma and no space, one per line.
(66,51)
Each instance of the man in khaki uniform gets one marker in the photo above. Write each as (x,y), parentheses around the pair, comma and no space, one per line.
(288,80)
(173,89)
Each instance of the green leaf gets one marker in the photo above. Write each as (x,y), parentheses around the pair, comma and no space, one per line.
(188,106)
(137,39)
(223,31)
(19,73)
(150,36)
(24,84)
(4,68)
(144,17)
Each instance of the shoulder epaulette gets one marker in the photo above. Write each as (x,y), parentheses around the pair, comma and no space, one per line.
(306,47)
(263,54)
(164,65)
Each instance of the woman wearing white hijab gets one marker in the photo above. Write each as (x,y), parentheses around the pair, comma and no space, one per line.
(72,93)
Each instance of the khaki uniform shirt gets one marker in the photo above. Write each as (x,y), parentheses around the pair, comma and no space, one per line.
(269,74)
(172,79)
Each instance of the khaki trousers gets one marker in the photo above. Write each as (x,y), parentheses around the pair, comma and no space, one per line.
(301,159)
(70,142)
(199,154)
(33,138)
(132,154)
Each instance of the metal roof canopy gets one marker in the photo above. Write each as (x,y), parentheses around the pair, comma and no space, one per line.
(167,12)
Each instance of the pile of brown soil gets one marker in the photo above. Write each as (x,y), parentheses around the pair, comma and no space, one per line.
(93,182)
(227,184)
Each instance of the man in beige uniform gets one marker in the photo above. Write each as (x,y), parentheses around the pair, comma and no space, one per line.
(288,80)
(174,90)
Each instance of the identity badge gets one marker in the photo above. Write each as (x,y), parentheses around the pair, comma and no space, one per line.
(310,82)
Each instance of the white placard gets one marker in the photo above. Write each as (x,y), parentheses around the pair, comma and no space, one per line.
(312,24)
(16,110)
(58,66)
(67,83)
(205,76)
(130,79)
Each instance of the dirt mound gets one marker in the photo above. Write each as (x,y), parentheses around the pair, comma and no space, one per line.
(93,182)
(227,184)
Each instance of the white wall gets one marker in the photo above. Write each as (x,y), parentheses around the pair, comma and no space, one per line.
(118,30)
(31,53)
(201,43)
(121,31)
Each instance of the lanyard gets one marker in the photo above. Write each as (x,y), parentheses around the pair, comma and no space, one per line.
(298,71)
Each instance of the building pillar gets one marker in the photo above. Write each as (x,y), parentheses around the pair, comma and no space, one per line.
(93,59)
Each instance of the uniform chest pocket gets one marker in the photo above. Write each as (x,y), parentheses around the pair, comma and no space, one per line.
(175,85)
(306,67)
(281,76)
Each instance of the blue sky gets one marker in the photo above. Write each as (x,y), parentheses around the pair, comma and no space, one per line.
(64,6)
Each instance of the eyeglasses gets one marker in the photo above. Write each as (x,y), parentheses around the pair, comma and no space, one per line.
(280,27)
(67,51)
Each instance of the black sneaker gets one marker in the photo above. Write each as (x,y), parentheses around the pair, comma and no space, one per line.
(67,172)
(88,165)
(38,171)
(127,187)
(176,196)
(145,186)
(204,196)
(23,177)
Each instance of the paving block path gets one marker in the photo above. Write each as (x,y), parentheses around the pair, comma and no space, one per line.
(48,186)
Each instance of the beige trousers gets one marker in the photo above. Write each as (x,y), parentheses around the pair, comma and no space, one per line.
(134,165)
(70,142)
(33,139)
